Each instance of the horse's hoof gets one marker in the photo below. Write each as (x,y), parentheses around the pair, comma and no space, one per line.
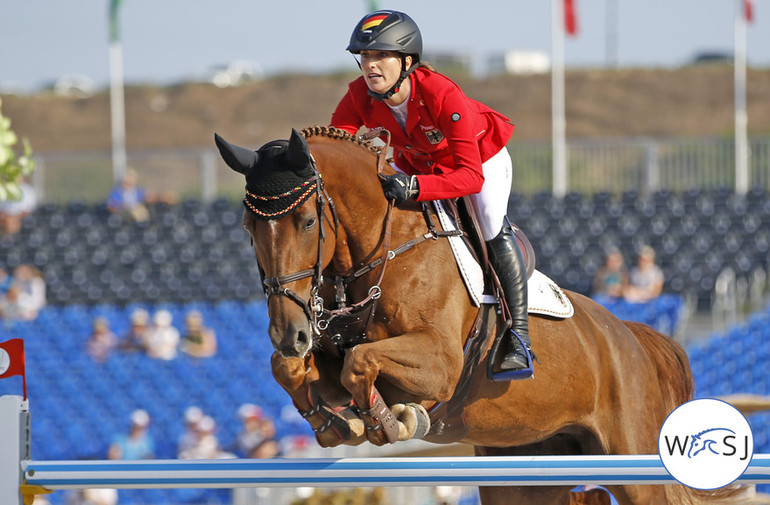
(414,422)
(356,424)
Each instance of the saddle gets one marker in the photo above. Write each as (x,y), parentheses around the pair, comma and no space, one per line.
(465,219)
(545,297)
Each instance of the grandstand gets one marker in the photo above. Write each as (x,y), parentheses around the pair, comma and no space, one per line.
(198,251)
(78,406)
(195,255)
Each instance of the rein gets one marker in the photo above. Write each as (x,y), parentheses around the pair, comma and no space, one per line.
(319,317)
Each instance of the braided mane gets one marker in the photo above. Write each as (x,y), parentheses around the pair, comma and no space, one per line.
(336,133)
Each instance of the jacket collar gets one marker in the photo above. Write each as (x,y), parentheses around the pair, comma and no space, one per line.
(413,111)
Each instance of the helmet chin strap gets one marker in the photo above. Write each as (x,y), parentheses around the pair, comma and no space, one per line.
(392,91)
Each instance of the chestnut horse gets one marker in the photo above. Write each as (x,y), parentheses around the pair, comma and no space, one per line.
(370,322)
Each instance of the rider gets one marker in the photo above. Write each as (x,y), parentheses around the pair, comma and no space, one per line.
(446,145)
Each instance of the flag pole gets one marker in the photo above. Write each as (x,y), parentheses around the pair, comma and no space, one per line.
(117,100)
(611,35)
(741,117)
(558,121)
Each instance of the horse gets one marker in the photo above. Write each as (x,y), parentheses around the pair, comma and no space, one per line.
(381,342)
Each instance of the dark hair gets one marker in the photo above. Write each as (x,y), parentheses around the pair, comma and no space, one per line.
(427,66)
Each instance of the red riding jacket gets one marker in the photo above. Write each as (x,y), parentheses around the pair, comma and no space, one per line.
(447,136)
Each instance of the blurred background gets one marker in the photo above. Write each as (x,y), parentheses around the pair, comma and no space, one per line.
(651,91)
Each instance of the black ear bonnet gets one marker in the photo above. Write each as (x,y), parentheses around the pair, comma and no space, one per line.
(280,175)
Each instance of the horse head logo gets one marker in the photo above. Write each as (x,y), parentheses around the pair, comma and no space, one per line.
(705,440)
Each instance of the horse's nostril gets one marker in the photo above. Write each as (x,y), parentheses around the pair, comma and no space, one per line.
(302,339)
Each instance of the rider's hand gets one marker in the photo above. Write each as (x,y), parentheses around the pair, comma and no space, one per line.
(400,187)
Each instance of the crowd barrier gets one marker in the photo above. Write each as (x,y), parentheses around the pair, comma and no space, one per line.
(20,475)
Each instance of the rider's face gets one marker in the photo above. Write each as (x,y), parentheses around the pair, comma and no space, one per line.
(381,69)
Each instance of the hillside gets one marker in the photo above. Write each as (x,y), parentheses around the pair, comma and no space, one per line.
(692,101)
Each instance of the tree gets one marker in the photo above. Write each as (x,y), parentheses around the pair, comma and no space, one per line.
(11,166)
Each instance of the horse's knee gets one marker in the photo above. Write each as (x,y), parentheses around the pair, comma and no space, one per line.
(357,368)
(288,372)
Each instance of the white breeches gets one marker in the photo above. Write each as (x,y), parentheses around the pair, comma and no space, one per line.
(491,203)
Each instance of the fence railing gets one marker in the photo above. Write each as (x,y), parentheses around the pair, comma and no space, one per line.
(643,165)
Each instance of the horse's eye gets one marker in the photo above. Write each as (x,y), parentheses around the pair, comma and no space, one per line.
(310,223)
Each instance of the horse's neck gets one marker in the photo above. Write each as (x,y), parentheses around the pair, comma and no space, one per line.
(350,177)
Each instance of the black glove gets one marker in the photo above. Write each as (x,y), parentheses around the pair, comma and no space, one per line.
(400,187)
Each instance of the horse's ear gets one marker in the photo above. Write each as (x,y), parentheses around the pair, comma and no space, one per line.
(299,152)
(238,158)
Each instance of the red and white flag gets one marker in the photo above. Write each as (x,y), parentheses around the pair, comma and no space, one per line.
(748,10)
(12,360)
(570,17)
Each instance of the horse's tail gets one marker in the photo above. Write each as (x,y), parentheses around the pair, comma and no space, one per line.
(674,370)
(671,362)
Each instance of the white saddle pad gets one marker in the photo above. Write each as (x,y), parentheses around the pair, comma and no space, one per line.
(544,295)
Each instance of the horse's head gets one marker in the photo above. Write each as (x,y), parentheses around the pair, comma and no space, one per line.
(697,444)
(285,218)
(705,441)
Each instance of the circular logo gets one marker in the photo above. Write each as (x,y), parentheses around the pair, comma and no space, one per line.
(706,443)
(5,361)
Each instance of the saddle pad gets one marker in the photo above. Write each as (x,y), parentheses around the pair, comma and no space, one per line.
(544,296)
(469,268)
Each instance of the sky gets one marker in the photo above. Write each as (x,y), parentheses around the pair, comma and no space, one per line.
(170,41)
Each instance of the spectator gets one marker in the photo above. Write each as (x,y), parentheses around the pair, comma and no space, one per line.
(10,310)
(269,448)
(645,282)
(257,438)
(97,496)
(30,286)
(12,211)
(199,340)
(137,444)
(5,279)
(208,445)
(191,436)
(102,340)
(41,499)
(162,337)
(253,432)
(611,280)
(136,338)
(129,198)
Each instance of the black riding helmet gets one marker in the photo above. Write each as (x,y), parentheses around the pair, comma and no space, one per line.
(387,30)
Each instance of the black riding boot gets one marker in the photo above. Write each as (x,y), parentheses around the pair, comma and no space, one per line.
(507,260)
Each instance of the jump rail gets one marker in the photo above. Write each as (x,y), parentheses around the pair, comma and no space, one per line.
(21,477)
(365,472)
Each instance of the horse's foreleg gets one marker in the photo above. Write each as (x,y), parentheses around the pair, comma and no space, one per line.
(332,427)
(419,367)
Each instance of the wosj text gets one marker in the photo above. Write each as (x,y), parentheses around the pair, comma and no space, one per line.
(715,441)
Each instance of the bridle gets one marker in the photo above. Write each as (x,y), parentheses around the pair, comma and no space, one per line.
(275,285)
(318,316)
